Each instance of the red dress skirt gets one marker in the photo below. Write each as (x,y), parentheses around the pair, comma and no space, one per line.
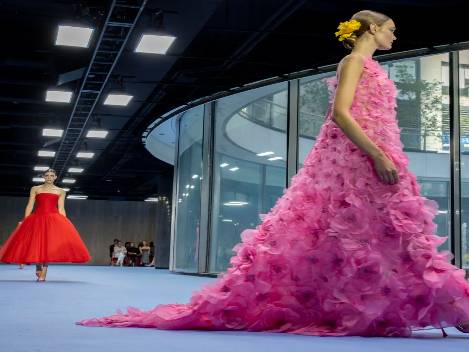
(45,236)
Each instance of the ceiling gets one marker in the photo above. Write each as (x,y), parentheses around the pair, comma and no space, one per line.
(220,44)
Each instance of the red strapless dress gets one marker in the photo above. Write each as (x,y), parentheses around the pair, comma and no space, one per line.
(45,236)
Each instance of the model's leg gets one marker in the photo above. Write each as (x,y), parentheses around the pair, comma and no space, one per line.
(38,271)
(44,272)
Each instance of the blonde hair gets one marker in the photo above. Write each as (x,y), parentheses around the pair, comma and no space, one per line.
(50,170)
(366,18)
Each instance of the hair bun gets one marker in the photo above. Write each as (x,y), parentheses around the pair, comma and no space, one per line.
(349,42)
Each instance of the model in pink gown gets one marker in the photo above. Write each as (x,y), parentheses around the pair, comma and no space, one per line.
(340,253)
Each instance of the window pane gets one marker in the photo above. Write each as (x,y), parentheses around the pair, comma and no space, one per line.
(464,131)
(314,101)
(423,115)
(246,184)
(188,197)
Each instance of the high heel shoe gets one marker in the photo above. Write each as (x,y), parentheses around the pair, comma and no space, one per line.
(463,327)
(42,278)
(444,332)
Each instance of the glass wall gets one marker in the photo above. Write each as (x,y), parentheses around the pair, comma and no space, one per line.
(186,240)
(249,172)
(464,145)
(313,104)
(249,151)
(423,116)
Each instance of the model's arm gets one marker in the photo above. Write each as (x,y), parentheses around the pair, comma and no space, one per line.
(349,75)
(61,204)
(30,205)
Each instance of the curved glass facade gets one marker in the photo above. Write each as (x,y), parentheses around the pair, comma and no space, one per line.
(186,240)
(249,165)
(235,155)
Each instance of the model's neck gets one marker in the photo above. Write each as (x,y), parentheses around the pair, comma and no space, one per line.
(365,47)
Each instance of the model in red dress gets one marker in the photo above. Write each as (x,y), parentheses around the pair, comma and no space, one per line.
(45,235)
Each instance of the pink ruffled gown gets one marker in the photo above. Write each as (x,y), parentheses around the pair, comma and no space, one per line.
(340,253)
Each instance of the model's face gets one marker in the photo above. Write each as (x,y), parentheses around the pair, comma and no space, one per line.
(49,178)
(384,35)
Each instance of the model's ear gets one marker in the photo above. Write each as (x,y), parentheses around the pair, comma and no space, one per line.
(373,28)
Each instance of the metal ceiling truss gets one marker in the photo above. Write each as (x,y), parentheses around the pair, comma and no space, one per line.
(121,20)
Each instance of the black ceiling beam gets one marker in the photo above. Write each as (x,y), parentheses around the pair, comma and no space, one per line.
(115,33)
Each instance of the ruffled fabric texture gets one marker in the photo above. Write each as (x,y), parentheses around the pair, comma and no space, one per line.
(339,254)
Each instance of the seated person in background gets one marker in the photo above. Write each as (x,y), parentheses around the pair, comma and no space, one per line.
(126,259)
(132,254)
(145,252)
(152,254)
(111,251)
(119,253)
(152,251)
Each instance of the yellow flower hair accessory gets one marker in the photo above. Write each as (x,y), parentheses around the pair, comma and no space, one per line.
(346,29)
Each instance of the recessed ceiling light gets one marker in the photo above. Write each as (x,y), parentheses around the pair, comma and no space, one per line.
(151,199)
(265,153)
(51,132)
(154,44)
(85,155)
(195,176)
(74,36)
(75,169)
(46,153)
(235,204)
(97,134)
(38,179)
(69,180)
(118,99)
(224,165)
(234,169)
(66,189)
(76,196)
(275,158)
(41,168)
(58,96)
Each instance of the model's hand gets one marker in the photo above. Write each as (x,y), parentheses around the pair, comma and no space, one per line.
(386,169)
